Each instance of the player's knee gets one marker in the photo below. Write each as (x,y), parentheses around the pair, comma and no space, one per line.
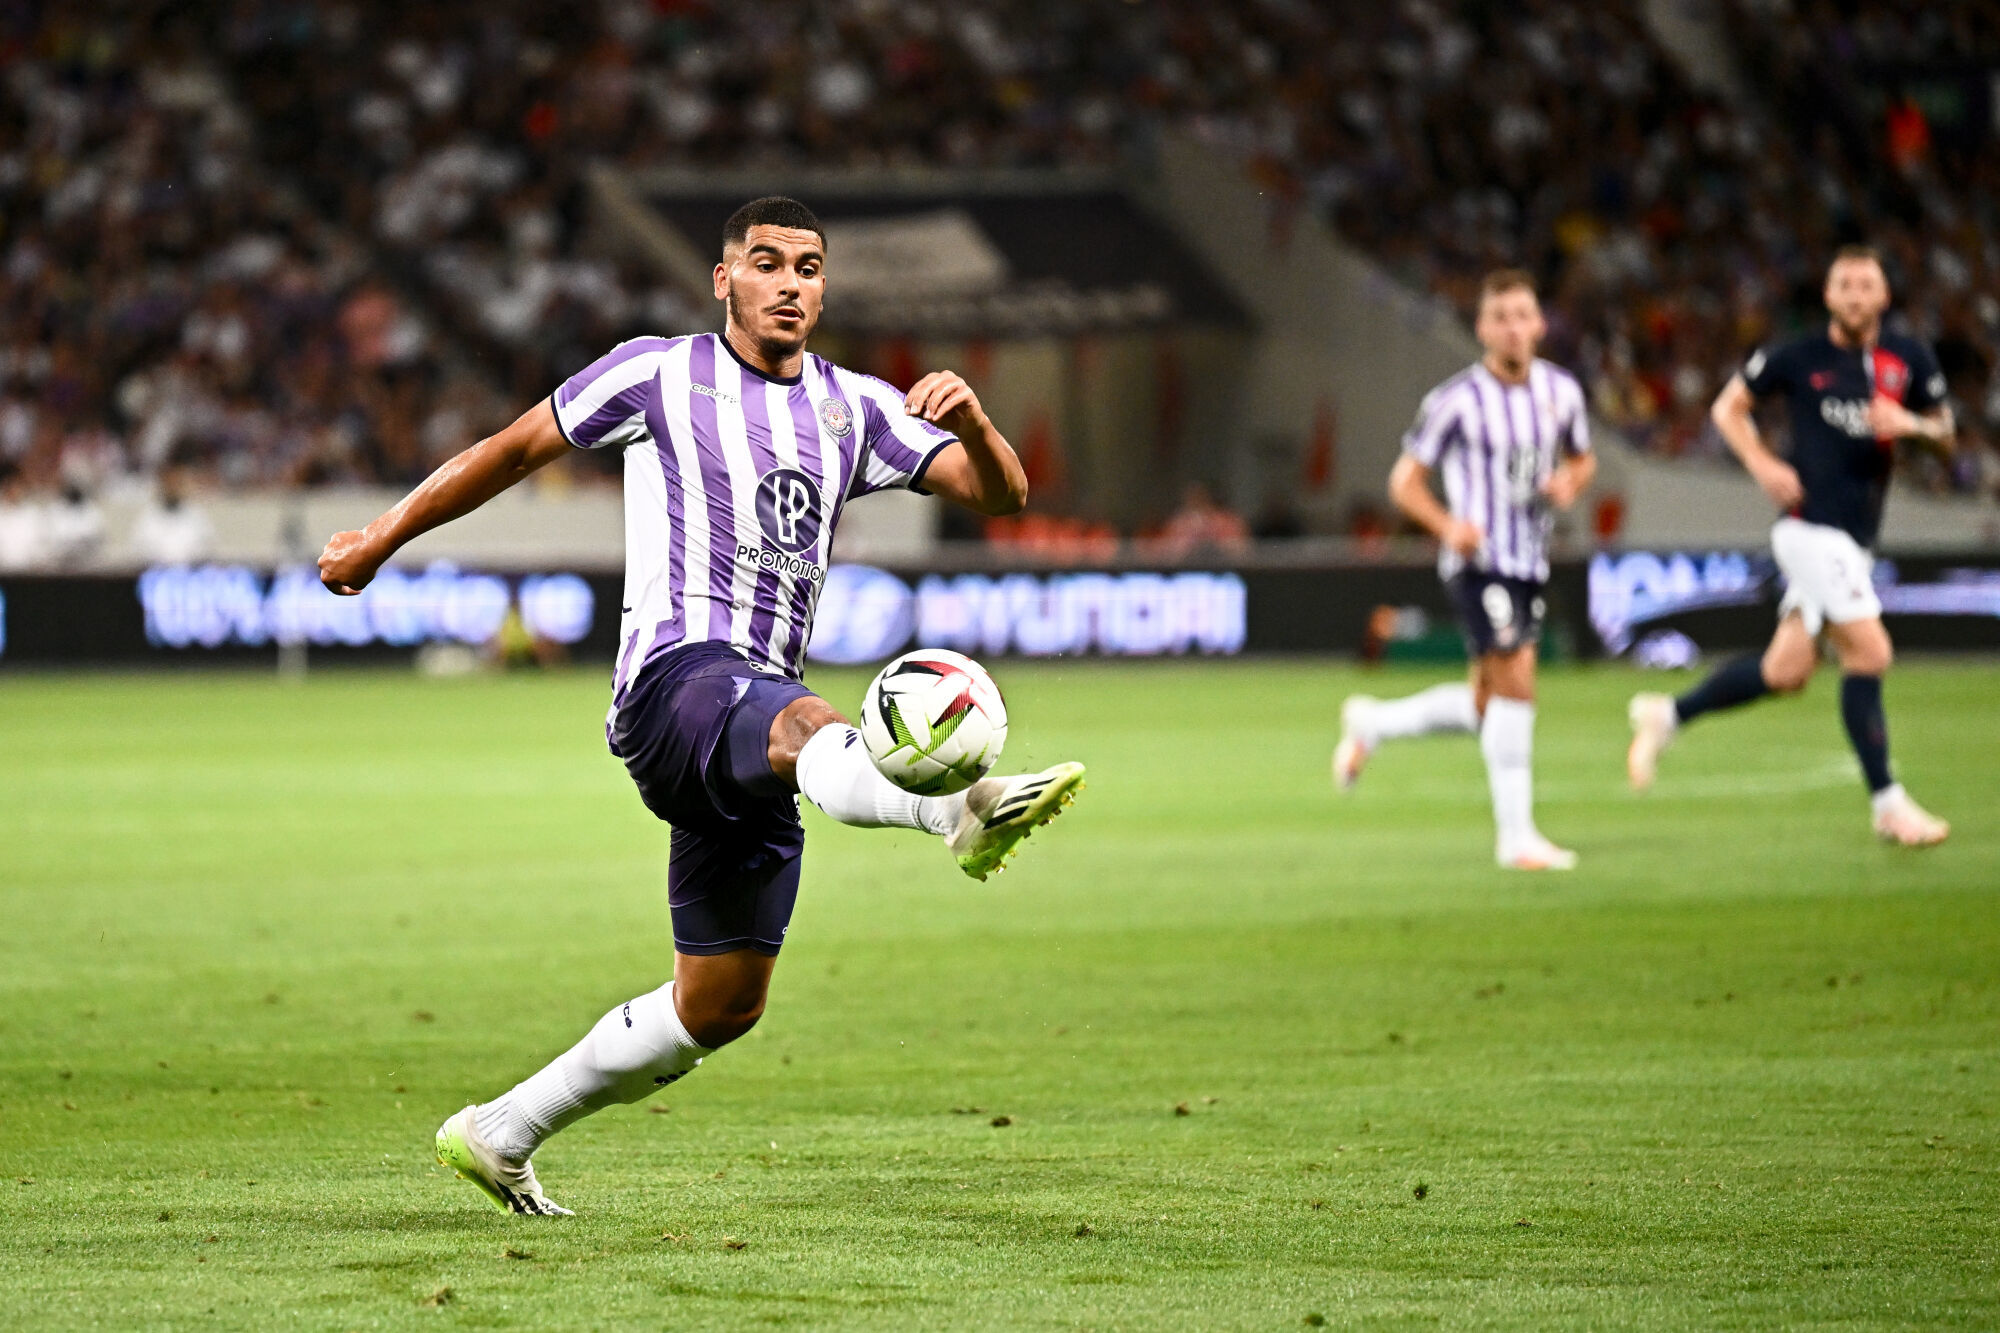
(1507,677)
(1786,673)
(801,720)
(1870,659)
(1787,678)
(719,1020)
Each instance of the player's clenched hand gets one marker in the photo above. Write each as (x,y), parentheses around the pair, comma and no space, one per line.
(944,399)
(1562,487)
(1780,481)
(1462,537)
(1890,420)
(348,563)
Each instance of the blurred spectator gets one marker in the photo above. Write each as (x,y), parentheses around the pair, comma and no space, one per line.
(1278,520)
(74,528)
(291,242)
(170,530)
(1054,538)
(1201,527)
(24,529)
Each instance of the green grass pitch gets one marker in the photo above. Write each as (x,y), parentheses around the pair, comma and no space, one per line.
(1221,1051)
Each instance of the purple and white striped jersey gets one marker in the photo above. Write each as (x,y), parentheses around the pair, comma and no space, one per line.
(1496,443)
(734,481)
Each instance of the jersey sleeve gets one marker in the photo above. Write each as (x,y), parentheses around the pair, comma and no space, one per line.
(1439,424)
(603,405)
(1927,386)
(896,448)
(1768,370)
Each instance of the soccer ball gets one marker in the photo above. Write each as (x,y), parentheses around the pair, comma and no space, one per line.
(933,722)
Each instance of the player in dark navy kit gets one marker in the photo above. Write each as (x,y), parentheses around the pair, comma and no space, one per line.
(1852,394)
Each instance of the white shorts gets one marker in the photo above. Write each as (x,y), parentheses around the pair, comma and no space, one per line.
(1828,576)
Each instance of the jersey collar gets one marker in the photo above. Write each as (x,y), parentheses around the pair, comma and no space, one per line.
(749,369)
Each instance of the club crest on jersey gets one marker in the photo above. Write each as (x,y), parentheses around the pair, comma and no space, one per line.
(788,508)
(833,415)
(1891,376)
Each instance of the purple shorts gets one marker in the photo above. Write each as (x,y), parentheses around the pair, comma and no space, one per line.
(694,730)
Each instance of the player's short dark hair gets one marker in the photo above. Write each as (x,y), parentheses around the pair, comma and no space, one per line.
(1858,254)
(1506,280)
(773,210)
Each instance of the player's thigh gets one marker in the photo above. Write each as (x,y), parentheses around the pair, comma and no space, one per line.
(731,891)
(695,734)
(1793,653)
(1499,615)
(1829,578)
(1862,645)
(1510,675)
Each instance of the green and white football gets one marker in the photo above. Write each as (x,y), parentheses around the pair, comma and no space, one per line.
(934,722)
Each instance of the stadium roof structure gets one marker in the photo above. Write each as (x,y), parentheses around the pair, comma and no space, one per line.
(995,254)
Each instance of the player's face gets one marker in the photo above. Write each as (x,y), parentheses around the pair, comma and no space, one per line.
(1857,293)
(1510,326)
(775,284)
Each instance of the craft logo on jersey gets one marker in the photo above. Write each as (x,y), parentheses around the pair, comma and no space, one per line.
(788,507)
(833,415)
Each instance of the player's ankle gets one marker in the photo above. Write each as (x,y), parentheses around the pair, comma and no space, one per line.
(1888,798)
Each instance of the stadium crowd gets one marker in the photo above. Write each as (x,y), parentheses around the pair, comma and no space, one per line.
(291,242)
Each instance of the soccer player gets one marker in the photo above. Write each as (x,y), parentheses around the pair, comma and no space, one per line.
(1853,392)
(740,450)
(1512,438)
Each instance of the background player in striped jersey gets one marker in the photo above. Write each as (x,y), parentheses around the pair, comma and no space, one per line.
(1512,439)
(1853,392)
(740,451)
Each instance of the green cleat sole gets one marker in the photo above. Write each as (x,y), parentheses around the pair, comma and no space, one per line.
(992,860)
(455,1153)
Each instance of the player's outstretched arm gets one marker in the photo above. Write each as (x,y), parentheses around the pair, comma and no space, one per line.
(457,488)
(1410,488)
(981,471)
(1734,416)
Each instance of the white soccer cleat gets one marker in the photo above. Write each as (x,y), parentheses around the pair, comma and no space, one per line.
(1351,755)
(1907,824)
(1000,812)
(1654,723)
(511,1186)
(1535,853)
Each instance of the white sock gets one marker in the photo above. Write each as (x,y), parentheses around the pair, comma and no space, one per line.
(836,774)
(1507,739)
(1446,707)
(1890,795)
(636,1049)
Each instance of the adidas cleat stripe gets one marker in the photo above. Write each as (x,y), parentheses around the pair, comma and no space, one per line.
(511,1187)
(1001,812)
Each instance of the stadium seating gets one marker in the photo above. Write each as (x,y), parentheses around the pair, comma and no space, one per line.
(293,243)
